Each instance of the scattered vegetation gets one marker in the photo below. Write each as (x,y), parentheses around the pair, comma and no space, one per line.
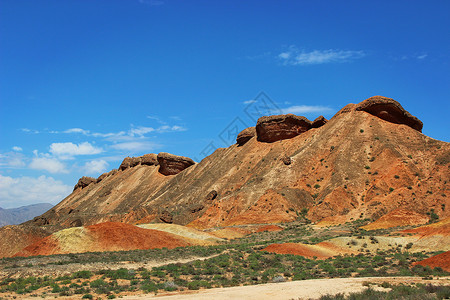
(419,291)
(238,262)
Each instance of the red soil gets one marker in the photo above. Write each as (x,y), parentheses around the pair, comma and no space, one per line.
(441,260)
(439,228)
(269,228)
(296,249)
(113,235)
(45,246)
(398,217)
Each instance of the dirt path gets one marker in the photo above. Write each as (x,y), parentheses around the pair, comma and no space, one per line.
(306,289)
(61,270)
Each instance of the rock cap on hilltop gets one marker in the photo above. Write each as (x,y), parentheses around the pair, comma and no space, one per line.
(126,163)
(389,110)
(170,164)
(279,127)
(150,159)
(245,135)
(319,122)
(84,182)
(147,160)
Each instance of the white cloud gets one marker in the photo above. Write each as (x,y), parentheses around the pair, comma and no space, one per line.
(135,146)
(305,109)
(250,101)
(51,165)
(77,130)
(29,130)
(140,131)
(284,55)
(17,148)
(95,166)
(167,128)
(295,56)
(67,150)
(15,192)
(12,160)
(421,56)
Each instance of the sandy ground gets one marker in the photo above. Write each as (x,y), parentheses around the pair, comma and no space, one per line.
(306,289)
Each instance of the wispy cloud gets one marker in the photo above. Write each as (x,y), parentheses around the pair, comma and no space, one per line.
(17,148)
(294,56)
(419,56)
(138,131)
(306,109)
(250,101)
(136,146)
(68,150)
(29,130)
(12,160)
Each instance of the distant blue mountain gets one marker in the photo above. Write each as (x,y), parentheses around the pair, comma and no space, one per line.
(13,216)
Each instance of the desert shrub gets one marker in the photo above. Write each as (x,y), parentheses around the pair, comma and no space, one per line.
(278,278)
(82,274)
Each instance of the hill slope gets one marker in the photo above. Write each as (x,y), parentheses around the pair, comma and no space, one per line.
(363,163)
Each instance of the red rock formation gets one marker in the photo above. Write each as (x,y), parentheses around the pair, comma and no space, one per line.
(245,135)
(170,164)
(319,122)
(84,182)
(389,110)
(274,128)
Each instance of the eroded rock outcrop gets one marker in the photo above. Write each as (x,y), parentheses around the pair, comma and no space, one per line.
(146,160)
(211,196)
(126,163)
(170,164)
(135,161)
(150,159)
(166,217)
(104,175)
(245,135)
(286,160)
(389,110)
(84,182)
(279,127)
(319,122)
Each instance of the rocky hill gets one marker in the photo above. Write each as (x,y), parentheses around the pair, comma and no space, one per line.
(369,160)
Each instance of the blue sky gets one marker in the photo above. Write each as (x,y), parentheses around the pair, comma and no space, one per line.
(84,84)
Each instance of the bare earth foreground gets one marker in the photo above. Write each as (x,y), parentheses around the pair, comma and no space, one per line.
(305,289)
